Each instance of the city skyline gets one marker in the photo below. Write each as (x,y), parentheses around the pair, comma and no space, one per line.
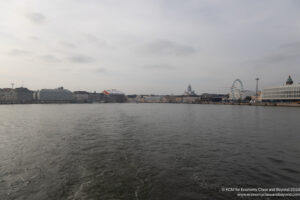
(148,46)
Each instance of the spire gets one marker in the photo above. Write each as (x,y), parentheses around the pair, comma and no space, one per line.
(189,88)
(189,91)
(289,81)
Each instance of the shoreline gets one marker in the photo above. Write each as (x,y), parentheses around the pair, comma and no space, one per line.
(206,103)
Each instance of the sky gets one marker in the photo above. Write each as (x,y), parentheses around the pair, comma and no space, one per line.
(148,46)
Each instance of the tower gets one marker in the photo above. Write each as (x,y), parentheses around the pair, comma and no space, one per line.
(289,81)
(189,89)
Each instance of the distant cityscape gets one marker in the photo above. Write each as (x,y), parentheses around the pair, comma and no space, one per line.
(287,93)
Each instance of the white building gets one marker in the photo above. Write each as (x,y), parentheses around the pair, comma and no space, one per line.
(54,95)
(289,92)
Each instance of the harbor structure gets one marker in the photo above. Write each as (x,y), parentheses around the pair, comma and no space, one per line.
(17,95)
(58,95)
(7,95)
(168,99)
(153,99)
(81,96)
(23,95)
(132,98)
(206,97)
(96,97)
(257,97)
(289,92)
(114,96)
(188,99)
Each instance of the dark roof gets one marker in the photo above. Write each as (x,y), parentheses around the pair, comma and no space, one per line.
(132,95)
(81,92)
(22,89)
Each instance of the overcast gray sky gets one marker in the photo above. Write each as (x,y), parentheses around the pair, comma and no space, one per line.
(148,46)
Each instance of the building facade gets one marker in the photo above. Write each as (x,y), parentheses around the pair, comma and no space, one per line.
(289,92)
(152,99)
(18,95)
(95,97)
(81,97)
(59,95)
(24,95)
(168,99)
(206,97)
(132,98)
(114,96)
(8,95)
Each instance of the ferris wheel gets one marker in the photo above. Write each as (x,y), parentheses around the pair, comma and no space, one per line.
(237,89)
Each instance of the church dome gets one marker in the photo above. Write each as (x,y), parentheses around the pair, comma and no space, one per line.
(289,81)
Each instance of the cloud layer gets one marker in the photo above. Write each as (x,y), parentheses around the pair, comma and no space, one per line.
(165,47)
(37,18)
(142,46)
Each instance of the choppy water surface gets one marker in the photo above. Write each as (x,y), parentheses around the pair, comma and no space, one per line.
(145,151)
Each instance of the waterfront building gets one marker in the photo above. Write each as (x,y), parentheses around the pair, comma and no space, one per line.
(257,98)
(190,99)
(113,96)
(23,95)
(206,97)
(187,99)
(96,97)
(59,95)
(290,92)
(168,99)
(18,95)
(81,96)
(140,99)
(8,95)
(153,99)
(132,98)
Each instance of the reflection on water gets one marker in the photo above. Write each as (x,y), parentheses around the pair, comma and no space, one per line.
(145,151)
